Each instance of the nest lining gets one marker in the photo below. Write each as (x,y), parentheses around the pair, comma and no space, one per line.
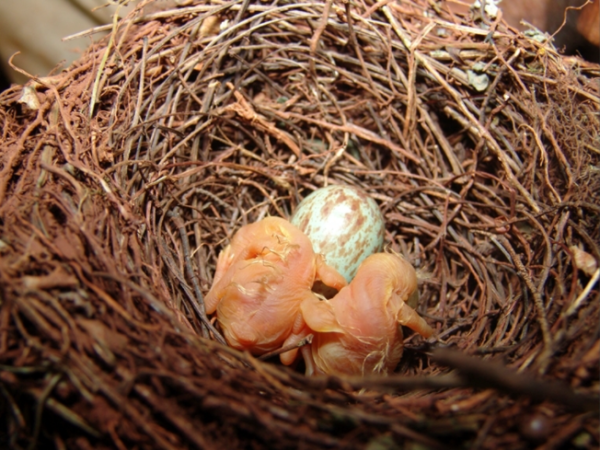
(130,170)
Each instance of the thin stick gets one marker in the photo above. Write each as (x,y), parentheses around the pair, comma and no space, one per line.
(199,304)
(580,299)
(314,42)
(103,61)
(489,374)
(537,299)
(307,340)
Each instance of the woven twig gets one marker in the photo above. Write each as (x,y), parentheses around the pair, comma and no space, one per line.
(211,116)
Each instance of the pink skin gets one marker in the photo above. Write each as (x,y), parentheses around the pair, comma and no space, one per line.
(261,280)
(357,332)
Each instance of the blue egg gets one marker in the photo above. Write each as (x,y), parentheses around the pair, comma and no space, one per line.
(344,224)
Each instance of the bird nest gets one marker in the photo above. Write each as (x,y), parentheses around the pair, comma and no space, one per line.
(122,177)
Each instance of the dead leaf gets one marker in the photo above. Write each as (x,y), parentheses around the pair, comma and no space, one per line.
(210,26)
(584,261)
(29,98)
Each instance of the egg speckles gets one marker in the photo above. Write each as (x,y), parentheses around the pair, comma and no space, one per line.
(344,224)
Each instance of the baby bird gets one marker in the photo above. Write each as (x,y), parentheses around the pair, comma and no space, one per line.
(358,331)
(261,280)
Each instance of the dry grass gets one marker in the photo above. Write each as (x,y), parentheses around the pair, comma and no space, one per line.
(135,166)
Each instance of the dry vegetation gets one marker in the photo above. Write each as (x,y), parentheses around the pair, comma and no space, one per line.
(123,176)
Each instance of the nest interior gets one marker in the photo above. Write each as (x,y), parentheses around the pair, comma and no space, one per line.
(123,176)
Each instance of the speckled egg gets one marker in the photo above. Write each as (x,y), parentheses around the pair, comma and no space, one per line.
(344,224)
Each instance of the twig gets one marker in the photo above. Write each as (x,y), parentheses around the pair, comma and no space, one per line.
(94,97)
(537,299)
(489,374)
(581,298)
(307,340)
(316,38)
(39,410)
(66,413)
(199,304)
